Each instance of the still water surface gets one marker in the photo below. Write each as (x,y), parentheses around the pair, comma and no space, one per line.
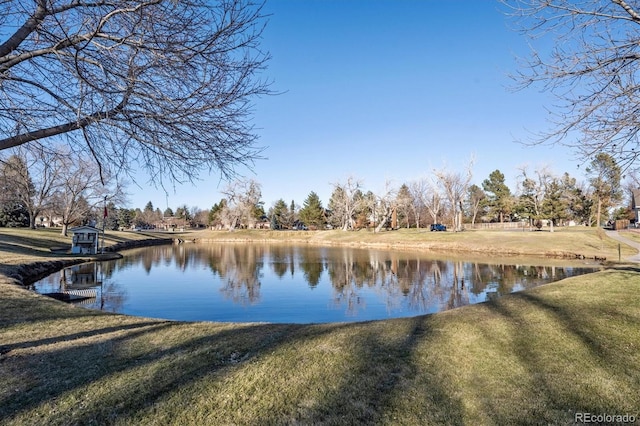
(295,284)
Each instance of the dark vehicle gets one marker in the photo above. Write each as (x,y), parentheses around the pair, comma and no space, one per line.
(438,227)
(299,226)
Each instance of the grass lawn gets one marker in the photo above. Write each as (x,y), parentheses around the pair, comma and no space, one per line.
(536,357)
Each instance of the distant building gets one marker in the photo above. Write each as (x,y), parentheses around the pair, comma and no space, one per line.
(85,240)
(635,204)
(48,220)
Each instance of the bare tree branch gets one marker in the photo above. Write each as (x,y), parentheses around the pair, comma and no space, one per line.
(591,68)
(163,85)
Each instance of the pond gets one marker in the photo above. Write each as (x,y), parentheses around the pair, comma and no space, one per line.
(294,284)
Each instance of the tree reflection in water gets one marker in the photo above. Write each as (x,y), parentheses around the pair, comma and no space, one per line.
(240,271)
(355,282)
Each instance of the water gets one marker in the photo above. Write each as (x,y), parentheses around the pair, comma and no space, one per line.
(295,284)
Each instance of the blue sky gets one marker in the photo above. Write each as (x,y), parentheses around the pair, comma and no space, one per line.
(385,91)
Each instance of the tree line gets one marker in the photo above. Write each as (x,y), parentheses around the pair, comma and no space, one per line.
(443,197)
(37,185)
(41,188)
(168,87)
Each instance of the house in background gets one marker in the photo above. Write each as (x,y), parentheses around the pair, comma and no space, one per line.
(48,220)
(635,204)
(85,240)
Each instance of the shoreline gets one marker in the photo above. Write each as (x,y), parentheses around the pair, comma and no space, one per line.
(62,364)
(24,274)
(318,238)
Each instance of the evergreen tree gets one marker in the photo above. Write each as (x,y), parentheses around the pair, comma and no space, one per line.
(579,203)
(112,222)
(215,214)
(16,192)
(279,215)
(605,177)
(337,214)
(258,210)
(182,212)
(404,200)
(125,218)
(13,215)
(528,204)
(499,199)
(555,205)
(293,213)
(312,213)
(475,202)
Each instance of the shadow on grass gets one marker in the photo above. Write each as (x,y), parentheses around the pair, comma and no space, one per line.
(571,361)
(136,375)
(4,349)
(14,248)
(52,373)
(372,386)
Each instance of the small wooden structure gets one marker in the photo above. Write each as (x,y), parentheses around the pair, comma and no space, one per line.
(85,240)
(621,224)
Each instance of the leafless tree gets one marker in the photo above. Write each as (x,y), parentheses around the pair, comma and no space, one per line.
(163,85)
(82,189)
(431,198)
(455,185)
(591,69)
(345,200)
(242,199)
(387,202)
(200,217)
(475,197)
(417,189)
(632,182)
(533,188)
(148,216)
(35,176)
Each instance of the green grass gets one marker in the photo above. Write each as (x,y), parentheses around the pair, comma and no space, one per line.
(536,357)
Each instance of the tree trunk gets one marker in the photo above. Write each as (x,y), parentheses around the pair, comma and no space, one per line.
(385,218)
(599,212)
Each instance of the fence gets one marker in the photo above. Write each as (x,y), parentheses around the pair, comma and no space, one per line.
(497,225)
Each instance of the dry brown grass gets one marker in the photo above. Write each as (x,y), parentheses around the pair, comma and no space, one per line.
(563,242)
(536,357)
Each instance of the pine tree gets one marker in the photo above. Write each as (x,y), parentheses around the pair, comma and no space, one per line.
(312,213)
(555,205)
(279,215)
(605,175)
(499,198)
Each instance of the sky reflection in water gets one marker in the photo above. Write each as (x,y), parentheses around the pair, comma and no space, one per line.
(293,284)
